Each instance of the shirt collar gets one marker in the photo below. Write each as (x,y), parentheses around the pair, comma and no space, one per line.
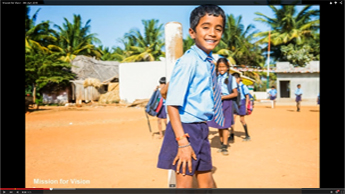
(224,75)
(201,53)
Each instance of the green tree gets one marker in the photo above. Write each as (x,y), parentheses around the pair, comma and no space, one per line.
(288,26)
(147,46)
(43,68)
(187,43)
(298,56)
(75,39)
(37,37)
(236,43)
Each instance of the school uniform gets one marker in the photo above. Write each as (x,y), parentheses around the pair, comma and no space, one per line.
(244,91)
(298,93)
(190,89)
(226,104)
(273,93)
(162,114)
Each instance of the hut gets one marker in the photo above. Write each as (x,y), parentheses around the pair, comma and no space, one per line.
(93,78)
(289,76)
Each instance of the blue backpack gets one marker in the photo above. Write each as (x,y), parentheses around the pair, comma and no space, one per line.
(154,103)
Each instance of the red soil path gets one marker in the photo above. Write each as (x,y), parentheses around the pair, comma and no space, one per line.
(111,147)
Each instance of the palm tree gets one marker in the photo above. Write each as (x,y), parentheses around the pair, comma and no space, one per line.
(236,43)
(146,47)
(288,26)
(37,37)
(74,39)
(187,43)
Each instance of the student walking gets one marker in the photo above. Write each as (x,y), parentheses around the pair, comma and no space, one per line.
(225,82)
(193,98)
(243,90)
(273,95)
(298,93)
(161,115)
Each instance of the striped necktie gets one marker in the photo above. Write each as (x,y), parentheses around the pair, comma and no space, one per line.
(218,111)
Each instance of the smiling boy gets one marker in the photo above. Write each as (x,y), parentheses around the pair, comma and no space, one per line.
(193,99)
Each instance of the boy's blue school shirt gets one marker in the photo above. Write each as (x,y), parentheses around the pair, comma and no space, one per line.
(244,92)
(224,87)
(273,92)
(190,87)
(298,91)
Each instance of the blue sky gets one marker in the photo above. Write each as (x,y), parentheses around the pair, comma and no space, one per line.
(111,22)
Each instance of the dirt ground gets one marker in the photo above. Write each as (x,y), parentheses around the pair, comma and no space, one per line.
(111,147)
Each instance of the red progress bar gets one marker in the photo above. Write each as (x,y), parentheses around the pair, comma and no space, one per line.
(24,188)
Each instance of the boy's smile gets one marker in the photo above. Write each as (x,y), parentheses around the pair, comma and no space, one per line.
(208,32)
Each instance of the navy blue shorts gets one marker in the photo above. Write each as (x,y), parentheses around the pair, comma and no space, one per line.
(273,97)
(198,139)
(298,98)
(162,113)
(228,114)
(242,108)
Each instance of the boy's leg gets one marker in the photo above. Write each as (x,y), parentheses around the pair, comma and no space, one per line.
(159,128)
(245,128)
(221,139)
(231,137)
(224,148)
(185,181)
(205,179)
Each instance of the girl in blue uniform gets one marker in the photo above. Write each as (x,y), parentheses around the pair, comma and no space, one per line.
(223,81)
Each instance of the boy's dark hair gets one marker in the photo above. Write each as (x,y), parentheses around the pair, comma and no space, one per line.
(162,80)
(273,87)
(226,62)
(236,75)
(298,85)
(201,11)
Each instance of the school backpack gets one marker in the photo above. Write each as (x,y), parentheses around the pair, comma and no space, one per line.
(250,105)
(236,102)
(155,104)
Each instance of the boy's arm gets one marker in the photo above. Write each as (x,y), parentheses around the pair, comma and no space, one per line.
(233,95)
(184,155)
(164,91)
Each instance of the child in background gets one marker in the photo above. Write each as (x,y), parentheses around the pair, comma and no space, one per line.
(318,99)
(162,115)
(223,81)
(243,108)
(298,94)
(273,95)
(193,98)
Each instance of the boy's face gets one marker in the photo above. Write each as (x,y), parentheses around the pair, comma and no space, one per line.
(238,80)
(299,87)
(208,32)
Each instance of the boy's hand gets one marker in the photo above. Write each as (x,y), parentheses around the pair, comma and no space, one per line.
(184,156)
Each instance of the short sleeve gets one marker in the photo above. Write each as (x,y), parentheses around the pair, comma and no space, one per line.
(180,80)
(245,88)
(234,83)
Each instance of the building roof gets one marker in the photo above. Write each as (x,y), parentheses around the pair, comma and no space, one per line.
(87,67)
(286,67)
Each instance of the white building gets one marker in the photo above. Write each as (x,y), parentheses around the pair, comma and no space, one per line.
(288,77)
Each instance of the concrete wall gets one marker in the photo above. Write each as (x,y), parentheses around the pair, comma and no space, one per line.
(138,79)
(260,95)
(310,83)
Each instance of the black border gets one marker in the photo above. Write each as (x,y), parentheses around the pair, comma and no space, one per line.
(331,109)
